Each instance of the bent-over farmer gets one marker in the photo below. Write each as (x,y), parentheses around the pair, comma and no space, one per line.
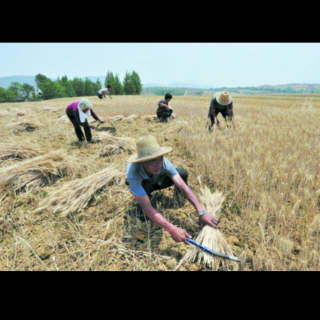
(78,113)
(148,171)
(105,91)
(221,103)
(164,111)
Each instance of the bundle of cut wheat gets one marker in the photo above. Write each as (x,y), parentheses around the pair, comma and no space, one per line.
(149,118)
(19,152)
(76,195)
(210,237)
(116,145)
(131,118)
(25,125)
(33,173)
(115,118)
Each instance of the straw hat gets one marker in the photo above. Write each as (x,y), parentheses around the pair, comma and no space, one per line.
(148,149)
(223,98)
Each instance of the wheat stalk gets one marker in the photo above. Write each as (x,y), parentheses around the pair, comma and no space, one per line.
(210,237)
(76,195)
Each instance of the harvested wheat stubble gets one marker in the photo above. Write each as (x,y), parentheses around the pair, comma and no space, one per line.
(36,172)
(115,145)
(25,125)
(64,119)
(210,237)
(76,195)
(52,109)
(4,113)
(8,151)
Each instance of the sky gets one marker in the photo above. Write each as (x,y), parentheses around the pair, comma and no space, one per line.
(205,64)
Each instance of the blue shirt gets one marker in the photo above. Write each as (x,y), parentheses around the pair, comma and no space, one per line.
(136,174)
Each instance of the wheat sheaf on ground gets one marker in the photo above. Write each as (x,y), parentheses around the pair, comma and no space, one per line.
(19,152)
(33,173)
(77,194)
(24,126)
(115,145)
(210,237)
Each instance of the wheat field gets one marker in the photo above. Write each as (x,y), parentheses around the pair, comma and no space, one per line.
(267,170)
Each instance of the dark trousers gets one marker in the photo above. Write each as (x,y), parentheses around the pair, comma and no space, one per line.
(100,96)
(78,130)
(163,115)
(227,115)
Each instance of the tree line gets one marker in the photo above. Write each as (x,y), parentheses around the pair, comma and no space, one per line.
(63,87)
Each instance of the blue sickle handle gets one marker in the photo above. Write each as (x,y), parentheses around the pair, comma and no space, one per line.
(213,252)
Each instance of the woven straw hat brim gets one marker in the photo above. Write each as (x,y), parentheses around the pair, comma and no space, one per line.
(162,151)
(218,98)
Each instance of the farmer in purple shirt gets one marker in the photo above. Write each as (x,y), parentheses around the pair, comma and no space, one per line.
(78,113)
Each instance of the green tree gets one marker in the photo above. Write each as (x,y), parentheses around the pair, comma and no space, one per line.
(15,92)
(128,85)
(27,91)
(90,88)
(98,85)
(67,85)
(117,88)
(137,82)
(79,87)
(3,95)
(109,80)
(10,95)
(49,88)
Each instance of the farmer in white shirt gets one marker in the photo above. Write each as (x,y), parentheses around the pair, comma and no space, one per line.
(149,171)
(105,91)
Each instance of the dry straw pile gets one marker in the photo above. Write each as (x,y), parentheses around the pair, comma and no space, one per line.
(76,195)
(10,150)
(115,145)
(24,126)
(34,173)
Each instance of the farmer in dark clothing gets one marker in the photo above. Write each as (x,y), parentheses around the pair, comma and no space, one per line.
(78,113)
(164,111)
(221,103)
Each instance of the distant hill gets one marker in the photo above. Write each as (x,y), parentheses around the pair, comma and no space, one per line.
(293,86)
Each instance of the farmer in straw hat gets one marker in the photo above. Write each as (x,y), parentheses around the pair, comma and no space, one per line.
(164,111)
(78,113)
(221,103)
(148,171)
